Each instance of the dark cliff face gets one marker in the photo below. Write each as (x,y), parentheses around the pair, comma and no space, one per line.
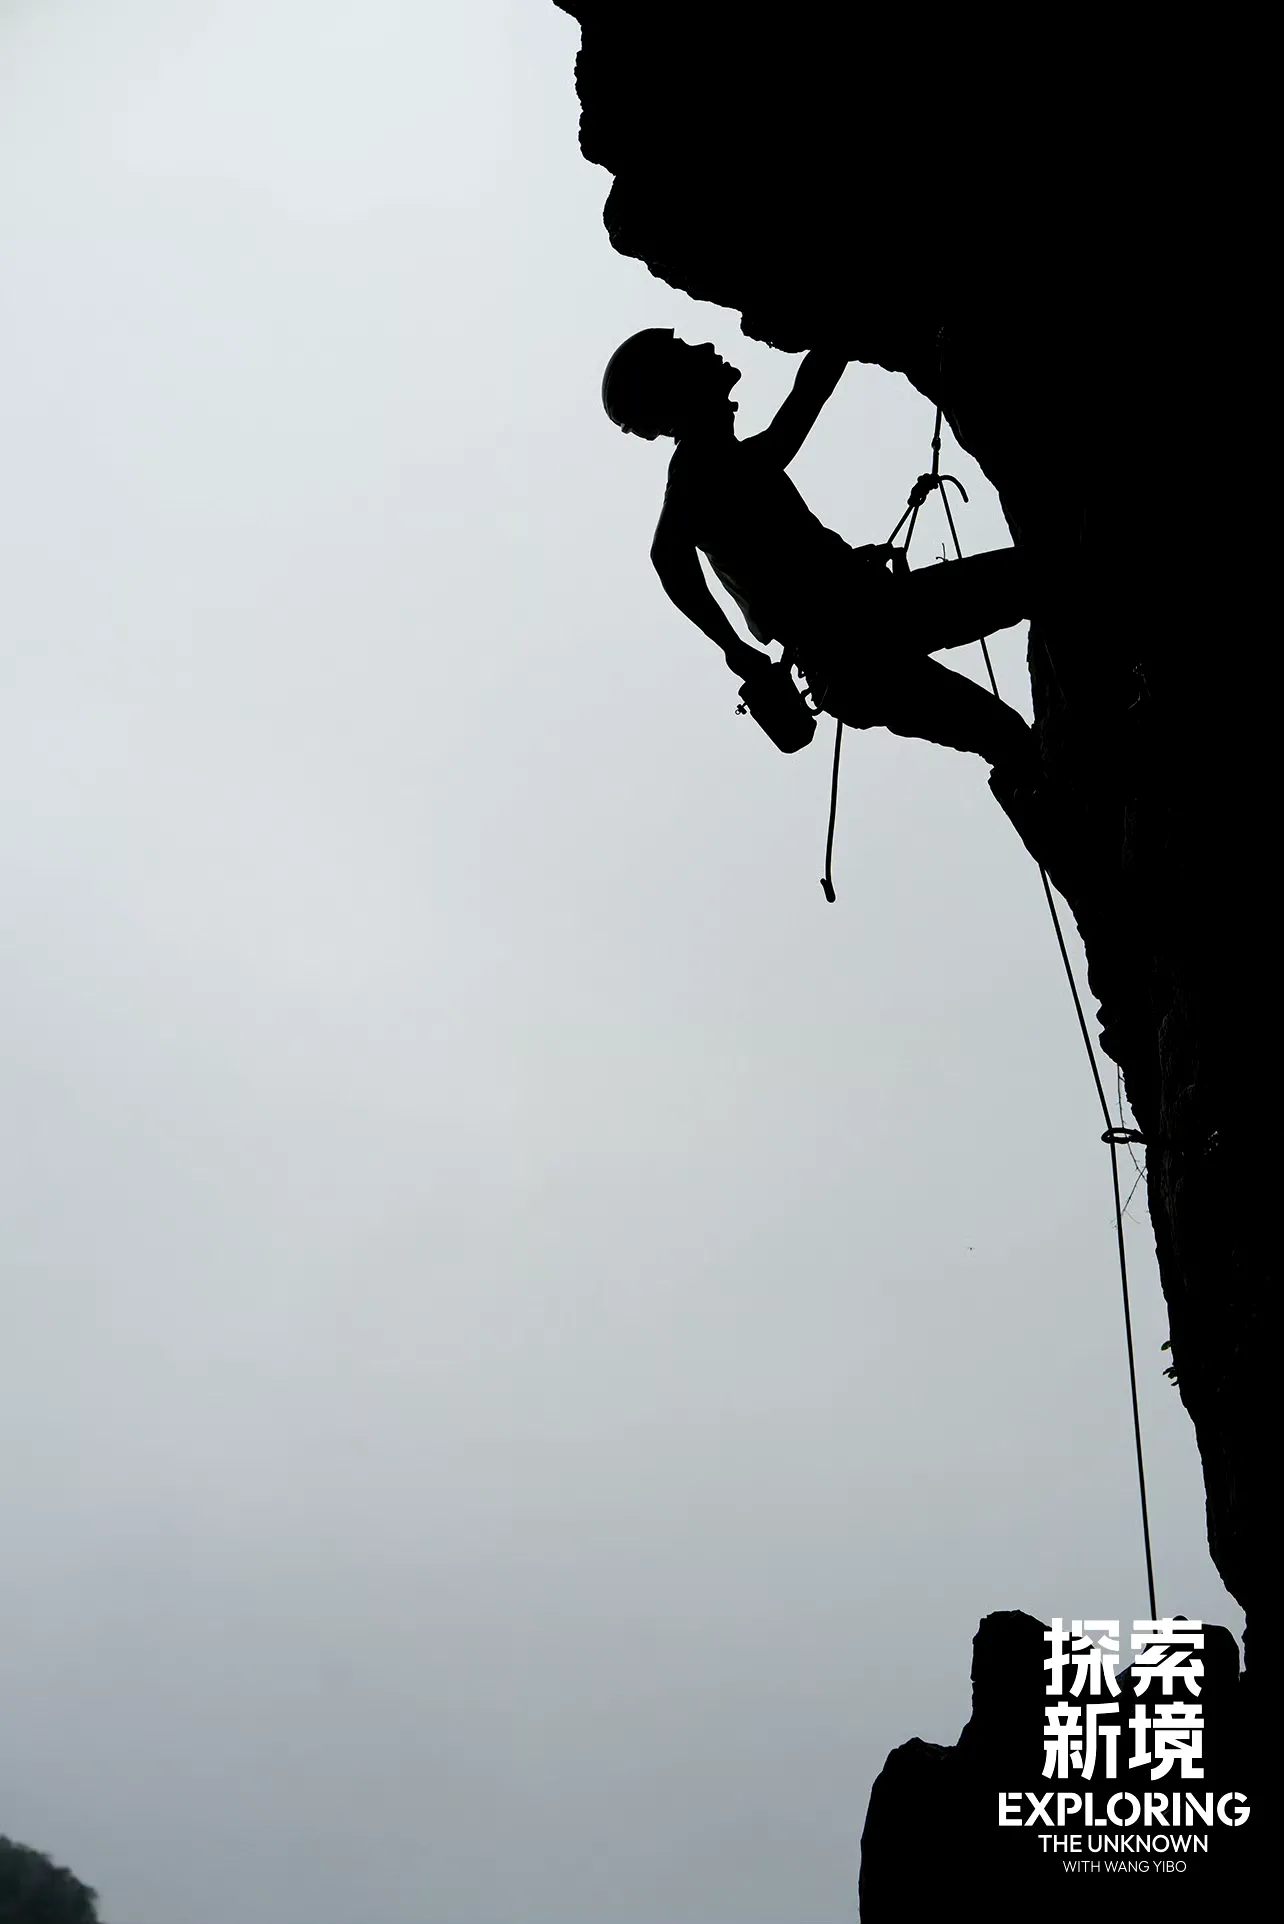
(1069,301)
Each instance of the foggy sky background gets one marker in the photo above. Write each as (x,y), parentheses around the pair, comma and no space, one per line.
(527,1340)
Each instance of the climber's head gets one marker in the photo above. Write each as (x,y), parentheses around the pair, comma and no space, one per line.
(656,384)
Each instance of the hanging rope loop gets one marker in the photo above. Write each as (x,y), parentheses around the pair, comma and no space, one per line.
(922,488)
(927,484)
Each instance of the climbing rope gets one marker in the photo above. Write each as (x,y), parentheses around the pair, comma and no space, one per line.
(827,879)
(1115,1134)
(899,558)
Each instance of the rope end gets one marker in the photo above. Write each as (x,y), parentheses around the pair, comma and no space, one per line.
(828,887)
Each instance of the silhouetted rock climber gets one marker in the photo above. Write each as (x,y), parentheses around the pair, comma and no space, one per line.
(862,634)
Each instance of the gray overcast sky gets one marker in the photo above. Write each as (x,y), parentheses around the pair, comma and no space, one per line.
(529,1341)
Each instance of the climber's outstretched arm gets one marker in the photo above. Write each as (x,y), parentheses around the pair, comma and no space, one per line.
(816,380)
(682,578)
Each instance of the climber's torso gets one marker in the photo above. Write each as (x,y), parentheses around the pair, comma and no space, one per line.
(783,567)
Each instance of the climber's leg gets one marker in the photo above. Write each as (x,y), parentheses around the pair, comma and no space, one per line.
(938,705)
(955,602)
(931,702)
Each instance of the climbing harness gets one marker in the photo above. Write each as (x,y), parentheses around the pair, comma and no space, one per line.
(1115,1133)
